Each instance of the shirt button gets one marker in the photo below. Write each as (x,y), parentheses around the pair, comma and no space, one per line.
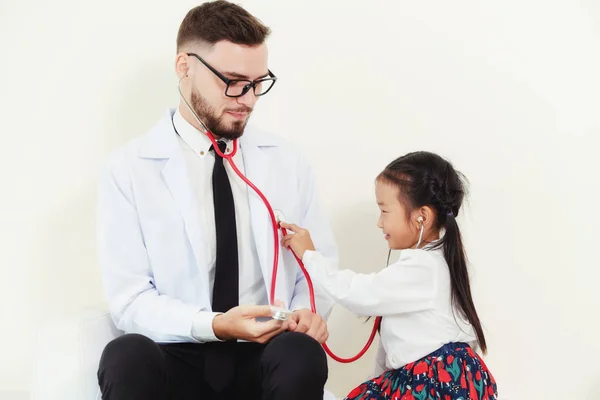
(201,153)
(227,151)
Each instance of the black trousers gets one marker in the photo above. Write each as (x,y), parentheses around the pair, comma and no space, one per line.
(291,366)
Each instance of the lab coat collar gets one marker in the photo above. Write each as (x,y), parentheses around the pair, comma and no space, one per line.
(161,141)
(198,141)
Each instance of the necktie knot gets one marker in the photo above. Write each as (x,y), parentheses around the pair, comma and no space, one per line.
(222,147)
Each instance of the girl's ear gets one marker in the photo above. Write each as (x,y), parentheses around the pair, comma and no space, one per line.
(425,216)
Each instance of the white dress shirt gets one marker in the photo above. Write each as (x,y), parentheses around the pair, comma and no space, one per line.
(413,297)
(200,162)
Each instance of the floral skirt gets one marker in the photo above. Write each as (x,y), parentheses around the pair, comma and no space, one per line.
(453,372)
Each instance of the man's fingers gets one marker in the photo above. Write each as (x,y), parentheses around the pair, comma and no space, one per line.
(292,325)
(323,338)
(302,326)
(258,311)
(279,303)
(264,328)
(314,329)
(270,335)
(323,334)
(266,338)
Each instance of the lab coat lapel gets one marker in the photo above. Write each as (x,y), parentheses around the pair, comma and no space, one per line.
(165,145)
(177,180)
(256,166)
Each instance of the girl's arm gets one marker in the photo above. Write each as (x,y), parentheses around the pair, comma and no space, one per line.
(408,285)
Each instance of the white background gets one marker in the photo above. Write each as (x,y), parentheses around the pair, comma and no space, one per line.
(507,90)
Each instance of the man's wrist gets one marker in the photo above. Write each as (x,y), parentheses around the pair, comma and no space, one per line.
(220,327)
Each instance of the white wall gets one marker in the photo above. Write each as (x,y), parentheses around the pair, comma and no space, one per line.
(509,91)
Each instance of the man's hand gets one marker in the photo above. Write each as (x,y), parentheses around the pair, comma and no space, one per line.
(240,323)
(305,321)
(300,241)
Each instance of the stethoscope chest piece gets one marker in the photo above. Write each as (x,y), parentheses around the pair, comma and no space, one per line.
(279,216)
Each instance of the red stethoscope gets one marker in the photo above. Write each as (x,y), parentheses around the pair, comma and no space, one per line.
(275,224)
(276,227)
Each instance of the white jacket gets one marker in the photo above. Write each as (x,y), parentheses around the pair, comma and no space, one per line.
(151,245)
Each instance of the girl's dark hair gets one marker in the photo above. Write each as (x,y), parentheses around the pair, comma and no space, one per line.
(426,179)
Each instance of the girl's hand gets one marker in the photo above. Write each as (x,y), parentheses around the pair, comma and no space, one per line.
(299,241)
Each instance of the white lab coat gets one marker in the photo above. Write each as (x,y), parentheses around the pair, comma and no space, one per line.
(151,244)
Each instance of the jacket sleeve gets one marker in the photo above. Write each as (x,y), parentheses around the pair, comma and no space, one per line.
(135,304)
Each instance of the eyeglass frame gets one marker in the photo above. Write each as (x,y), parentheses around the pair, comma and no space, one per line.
(227,81)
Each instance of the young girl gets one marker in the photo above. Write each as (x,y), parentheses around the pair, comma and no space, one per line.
(429,323)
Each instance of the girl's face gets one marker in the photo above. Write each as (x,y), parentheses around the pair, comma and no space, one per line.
(401,230)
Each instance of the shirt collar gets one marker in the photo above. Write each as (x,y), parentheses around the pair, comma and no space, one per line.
(197,140)
(434,242)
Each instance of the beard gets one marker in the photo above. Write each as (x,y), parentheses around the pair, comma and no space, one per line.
(215,123)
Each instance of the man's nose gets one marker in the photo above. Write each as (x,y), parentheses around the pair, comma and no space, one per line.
(248,99)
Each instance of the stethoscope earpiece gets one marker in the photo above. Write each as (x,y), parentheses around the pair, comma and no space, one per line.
(420,220)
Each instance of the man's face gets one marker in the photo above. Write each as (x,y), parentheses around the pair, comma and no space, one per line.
(224,116)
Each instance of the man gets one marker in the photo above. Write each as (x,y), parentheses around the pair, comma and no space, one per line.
(186,247)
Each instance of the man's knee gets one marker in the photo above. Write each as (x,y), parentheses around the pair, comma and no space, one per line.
(128,356)
(296,359)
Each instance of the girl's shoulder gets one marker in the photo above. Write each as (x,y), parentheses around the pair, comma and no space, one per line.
(421,257)
(428,261)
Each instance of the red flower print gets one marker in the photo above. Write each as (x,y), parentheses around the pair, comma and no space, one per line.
(450,359)
(420,388)
(473,393)
(447,397)
(408,396)
(444,376)
(471,352)
(490,390)
(420,368)
(478,376)
(387,389)
(463,381)
(357,391)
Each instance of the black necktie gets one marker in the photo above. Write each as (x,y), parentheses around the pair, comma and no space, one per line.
(219,366)
(226,286)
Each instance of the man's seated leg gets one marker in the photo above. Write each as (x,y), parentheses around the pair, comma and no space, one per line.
(134,367)
(294,366)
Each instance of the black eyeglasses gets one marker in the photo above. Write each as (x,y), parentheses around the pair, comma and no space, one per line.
(239,87)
